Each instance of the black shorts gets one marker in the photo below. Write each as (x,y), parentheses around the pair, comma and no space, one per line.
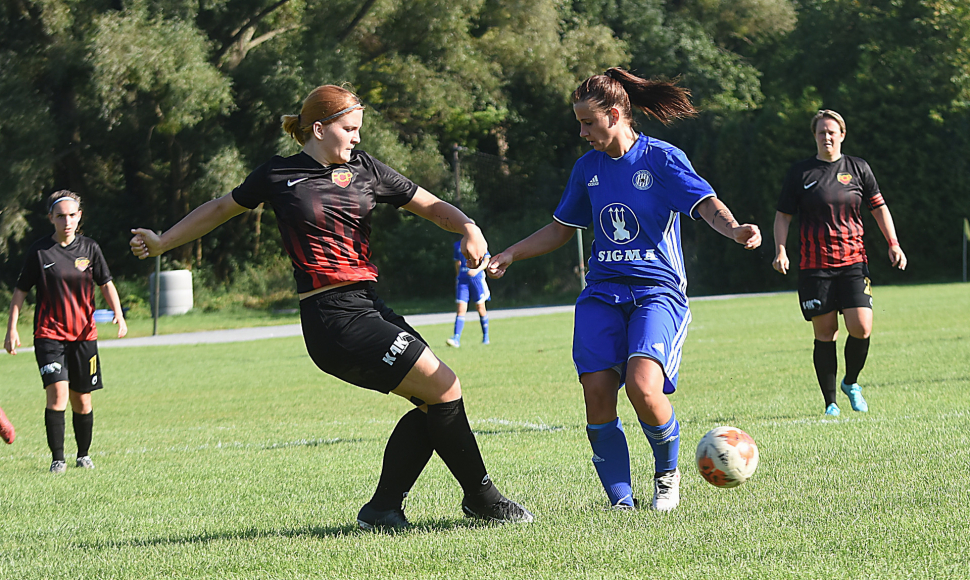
(351,334)
(74,361)
(822,291)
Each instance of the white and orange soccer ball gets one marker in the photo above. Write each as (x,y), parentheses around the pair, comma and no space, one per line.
(727,456)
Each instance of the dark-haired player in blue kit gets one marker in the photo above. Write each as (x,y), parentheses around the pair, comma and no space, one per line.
(470,288)
(631,320)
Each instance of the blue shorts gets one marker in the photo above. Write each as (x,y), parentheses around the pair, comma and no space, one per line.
(615,322)
(474,290)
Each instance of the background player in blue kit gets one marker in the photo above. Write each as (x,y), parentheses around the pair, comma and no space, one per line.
(631,320)
(470,286)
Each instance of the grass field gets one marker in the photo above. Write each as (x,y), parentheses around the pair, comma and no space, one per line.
(243,461)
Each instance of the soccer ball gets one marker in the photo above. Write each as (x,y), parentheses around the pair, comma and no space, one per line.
(727,456)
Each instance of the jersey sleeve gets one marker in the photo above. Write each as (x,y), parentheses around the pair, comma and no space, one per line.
(100,272)
(575,209)
(687,188)
(30,272)
(392,187)
(870,188)
(254,190)
(788,200)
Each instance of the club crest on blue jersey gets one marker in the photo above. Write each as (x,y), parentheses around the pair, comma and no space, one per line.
(620,223)
(642,180)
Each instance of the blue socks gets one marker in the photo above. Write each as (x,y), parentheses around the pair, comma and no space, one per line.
(665,441)
(459,325)
(611,458)
(484,321)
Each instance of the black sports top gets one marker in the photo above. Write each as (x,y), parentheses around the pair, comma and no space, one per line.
(827,196)
(65,277)
(324,212)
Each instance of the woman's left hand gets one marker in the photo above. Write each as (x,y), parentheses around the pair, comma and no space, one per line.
(748,235)
(897,257)
(122,325)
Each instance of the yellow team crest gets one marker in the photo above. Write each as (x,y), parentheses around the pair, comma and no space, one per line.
(342,177)
(82,264)
(845,178)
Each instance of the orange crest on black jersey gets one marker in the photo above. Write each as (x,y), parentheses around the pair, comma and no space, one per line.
(845,178)
(342,177)
(82,264)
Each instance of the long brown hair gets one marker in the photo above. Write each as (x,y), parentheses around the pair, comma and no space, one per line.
(662,100)
(325,104)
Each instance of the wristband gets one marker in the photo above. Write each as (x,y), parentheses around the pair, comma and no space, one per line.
(893,243)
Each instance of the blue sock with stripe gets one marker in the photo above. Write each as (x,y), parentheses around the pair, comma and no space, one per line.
(611,458)
(484,321)
(459,325)
(665,441)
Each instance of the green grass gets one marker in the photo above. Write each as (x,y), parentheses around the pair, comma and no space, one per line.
(244,461)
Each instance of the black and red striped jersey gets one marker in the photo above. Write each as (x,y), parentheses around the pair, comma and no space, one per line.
(324,212)
(65,277)
(828,196)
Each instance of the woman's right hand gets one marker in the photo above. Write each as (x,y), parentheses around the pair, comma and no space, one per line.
(499,264)
(145,243)
(780,263)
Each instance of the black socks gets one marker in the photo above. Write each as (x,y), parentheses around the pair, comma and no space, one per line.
(83,430)
(54,422)
(405,456)
(454,441)
(826,364)
(856,352)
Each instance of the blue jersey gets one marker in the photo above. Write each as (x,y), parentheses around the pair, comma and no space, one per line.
(463,266)
(634,204)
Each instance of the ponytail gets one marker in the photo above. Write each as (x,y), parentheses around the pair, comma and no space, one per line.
(662,100)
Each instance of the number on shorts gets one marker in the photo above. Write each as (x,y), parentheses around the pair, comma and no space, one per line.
(94,365)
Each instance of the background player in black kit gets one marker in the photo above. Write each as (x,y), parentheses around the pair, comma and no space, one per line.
(323,198)
(827,191)
(65,268)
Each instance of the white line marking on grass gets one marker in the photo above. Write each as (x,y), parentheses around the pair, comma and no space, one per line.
(522,425)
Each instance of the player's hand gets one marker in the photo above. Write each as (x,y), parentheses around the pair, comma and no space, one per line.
(122,325)
(897,257)
(145,243)
(11,341)
(781,263)
(748,235)
(498,265)
(474,247)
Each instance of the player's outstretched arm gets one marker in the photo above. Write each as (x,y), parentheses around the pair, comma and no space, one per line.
(449,218)
(199,222)
(547,239)
(885,221)
(782,223)
(12,339)
(719,217)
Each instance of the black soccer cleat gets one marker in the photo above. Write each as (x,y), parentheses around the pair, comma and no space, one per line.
(371,519)
(503,511)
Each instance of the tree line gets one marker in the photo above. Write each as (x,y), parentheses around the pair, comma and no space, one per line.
(148,108)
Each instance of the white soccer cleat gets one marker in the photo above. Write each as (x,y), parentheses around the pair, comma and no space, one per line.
(666,491)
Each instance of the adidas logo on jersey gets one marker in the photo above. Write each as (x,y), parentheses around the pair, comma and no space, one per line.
(593,182)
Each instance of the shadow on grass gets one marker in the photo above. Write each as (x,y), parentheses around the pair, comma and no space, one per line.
(314,443)
(346,530)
